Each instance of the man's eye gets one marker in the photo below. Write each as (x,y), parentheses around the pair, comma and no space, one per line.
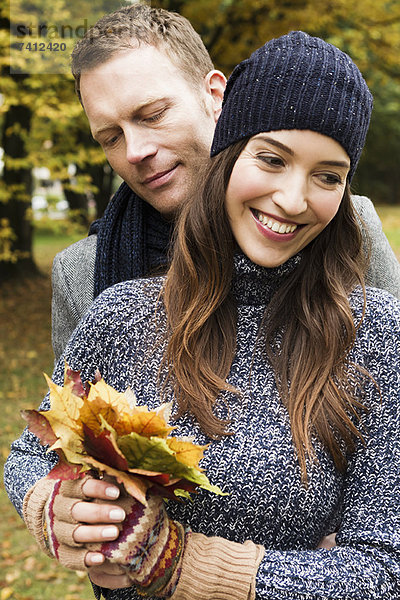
(110,141)
(155,117)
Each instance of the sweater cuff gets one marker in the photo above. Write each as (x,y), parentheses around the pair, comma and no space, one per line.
(214,568)
(33,507)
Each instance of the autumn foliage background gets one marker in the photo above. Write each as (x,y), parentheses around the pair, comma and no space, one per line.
(42,124)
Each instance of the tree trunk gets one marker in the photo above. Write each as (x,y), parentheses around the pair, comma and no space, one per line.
(102,177)
(78,203)
(15,209)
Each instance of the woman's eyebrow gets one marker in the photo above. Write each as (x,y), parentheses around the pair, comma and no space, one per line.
(332,163)
(269,140)
(336,163)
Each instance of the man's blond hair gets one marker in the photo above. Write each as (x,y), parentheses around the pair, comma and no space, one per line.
(138,24)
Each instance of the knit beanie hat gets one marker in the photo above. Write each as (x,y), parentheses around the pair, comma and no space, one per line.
(296,82)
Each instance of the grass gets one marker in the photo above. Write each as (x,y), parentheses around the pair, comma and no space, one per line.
(390,217)
(25,352)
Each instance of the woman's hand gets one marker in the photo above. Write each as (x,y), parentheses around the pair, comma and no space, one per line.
(328,542)
(99,520)
(147,550)
(64,516)
(109,575)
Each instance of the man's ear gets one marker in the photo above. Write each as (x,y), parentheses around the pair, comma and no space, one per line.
(215,83)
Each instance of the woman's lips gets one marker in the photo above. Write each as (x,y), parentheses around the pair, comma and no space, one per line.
(273,228)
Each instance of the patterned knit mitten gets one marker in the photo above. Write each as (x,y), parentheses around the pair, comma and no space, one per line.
(149,547)
(47,514)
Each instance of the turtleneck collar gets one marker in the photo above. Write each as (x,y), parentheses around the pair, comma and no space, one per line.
(255,285)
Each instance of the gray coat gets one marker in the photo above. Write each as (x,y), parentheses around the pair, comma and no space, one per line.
(73,275)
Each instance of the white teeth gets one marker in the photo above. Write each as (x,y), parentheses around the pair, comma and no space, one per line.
(274,225)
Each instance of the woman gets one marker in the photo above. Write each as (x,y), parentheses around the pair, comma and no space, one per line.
(272,351)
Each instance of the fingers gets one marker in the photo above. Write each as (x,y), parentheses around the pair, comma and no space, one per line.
(99,488)
(99,519)
(89,512)
(328,542)
(87,534)
(109,576)
(103,565)
(106,574)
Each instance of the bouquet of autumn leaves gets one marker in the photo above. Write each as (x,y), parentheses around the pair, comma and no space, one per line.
(94,427)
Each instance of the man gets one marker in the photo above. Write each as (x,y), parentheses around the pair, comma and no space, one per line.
(152,98)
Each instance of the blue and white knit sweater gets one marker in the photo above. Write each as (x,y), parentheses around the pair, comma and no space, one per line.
(257,465)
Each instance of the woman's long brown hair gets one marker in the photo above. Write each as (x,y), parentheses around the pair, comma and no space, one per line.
(311,310)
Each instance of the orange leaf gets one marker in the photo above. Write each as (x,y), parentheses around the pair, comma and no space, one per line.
(135,486)
(91,411)
(147,423)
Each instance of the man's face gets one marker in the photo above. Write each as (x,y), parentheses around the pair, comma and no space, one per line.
(154,126)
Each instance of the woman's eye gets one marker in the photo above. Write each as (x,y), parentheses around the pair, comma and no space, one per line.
(272,161)
(330,178)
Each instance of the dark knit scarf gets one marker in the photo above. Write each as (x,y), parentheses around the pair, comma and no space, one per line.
(132,240)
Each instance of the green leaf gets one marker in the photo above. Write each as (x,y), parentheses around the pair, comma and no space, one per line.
(155,455)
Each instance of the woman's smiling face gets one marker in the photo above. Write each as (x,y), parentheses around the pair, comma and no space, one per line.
(285,187)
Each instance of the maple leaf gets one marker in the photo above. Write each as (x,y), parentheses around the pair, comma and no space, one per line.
(96,427)
(135,486)
(65,471)
(145,423)
(186,452)
(73,381)
(103,447)
(40,426)
(95,411)
(64,415)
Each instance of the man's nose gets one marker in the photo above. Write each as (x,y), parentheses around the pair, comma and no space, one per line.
(139,146)
(292,195)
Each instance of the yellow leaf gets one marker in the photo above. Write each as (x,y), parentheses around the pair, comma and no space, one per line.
(92,411)
(186,452)
(117,400)
(63,415)
(6,593)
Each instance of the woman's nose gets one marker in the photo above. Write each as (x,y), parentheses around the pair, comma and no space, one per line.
(291,195)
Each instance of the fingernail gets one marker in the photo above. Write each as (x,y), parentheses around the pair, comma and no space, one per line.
(112,492)
(117,514)
(109,532)
(97,559)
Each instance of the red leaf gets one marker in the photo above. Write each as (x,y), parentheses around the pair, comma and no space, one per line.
(104,449)
(39,425)
(168,490)
(65,470)
(72,380)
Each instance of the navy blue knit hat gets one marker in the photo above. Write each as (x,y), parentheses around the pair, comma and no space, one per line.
(296,82)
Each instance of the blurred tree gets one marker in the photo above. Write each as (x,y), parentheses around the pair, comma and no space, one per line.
(42,122)
(15,228)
